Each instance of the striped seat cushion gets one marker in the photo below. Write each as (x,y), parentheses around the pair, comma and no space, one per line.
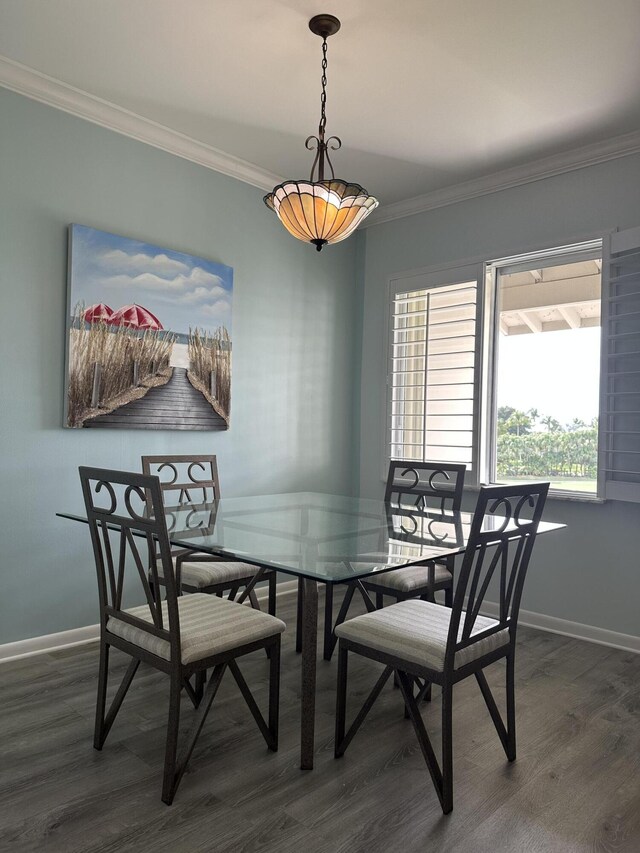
(202,574)
(208,626)
(410,579)
(416,631)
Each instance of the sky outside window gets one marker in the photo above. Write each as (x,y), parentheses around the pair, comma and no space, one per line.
(557,373)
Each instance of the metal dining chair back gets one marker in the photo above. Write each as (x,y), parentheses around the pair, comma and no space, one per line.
(188,479)
(419,486)
(182,636)
(421,642)
(129,538)
(497,556)
(185,478)
(425,485)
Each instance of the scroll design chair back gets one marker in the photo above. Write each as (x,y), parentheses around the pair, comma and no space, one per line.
(181,636)
(193,479)
(425,485)
(419,486)
(422,640)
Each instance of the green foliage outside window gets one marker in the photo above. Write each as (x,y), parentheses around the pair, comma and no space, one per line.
(560,451)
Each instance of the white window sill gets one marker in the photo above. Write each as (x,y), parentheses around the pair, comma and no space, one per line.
(556,495)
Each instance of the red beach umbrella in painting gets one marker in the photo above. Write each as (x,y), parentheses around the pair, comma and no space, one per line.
(99,313)
(135,317)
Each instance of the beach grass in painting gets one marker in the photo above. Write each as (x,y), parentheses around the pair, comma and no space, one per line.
(149,337)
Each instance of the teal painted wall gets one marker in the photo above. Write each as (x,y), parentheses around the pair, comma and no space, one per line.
(589,573)
(308,384)
(294,348)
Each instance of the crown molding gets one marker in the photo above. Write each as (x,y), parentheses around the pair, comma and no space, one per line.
(40,87)
(557,164)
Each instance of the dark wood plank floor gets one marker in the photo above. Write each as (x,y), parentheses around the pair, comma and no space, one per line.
(574,787)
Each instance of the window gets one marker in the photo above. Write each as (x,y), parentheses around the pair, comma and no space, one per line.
(547,369)
(523,368)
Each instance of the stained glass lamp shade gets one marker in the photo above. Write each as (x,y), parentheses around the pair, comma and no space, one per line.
(320,212)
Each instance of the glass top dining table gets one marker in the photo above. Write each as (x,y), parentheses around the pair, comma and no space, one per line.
(319,538)
(322,537)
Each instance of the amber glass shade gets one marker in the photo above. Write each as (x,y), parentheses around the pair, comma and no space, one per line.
(322,211)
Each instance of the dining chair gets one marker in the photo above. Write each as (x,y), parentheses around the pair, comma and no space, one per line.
(419,639)
(183,479)
(417,486)
(180,636)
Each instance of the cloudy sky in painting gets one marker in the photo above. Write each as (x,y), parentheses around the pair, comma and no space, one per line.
(181,290)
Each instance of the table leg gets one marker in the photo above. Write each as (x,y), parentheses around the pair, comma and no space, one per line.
(309,661)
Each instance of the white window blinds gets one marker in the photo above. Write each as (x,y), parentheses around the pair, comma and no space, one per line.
(433,379)
(620,405)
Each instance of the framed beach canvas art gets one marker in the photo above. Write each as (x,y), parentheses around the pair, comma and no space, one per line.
(149,336)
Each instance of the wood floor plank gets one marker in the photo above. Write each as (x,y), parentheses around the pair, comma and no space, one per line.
(574,787)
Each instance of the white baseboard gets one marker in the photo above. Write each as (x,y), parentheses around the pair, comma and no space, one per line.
(576,630)
(89,633)
(48,643)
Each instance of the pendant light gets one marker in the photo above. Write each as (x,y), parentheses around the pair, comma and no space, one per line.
(321,210)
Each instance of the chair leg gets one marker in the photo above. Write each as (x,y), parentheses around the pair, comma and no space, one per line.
(495,713)
(448,596)
(299,616)
(443,784)
(272,593)
(269,733)
(191,692)
(341,701)
(174,769)
(105,721)
(379,600)
(101,702)
(169,783)
(328,621)
(201,680)
(342,615)
(407,715)
(447,748)
(424,691)
(511,708)
(343,740)
(274,693)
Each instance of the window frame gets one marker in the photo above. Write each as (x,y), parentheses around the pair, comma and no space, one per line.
(484,273)
(565,254)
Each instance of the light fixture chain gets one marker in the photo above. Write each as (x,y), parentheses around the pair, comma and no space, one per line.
(323,97)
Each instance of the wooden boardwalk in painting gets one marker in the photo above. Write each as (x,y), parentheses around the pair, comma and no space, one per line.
(176,405)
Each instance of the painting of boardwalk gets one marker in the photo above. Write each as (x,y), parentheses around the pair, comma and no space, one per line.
(149,336)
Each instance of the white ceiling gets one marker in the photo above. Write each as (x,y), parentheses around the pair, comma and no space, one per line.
(424,94)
